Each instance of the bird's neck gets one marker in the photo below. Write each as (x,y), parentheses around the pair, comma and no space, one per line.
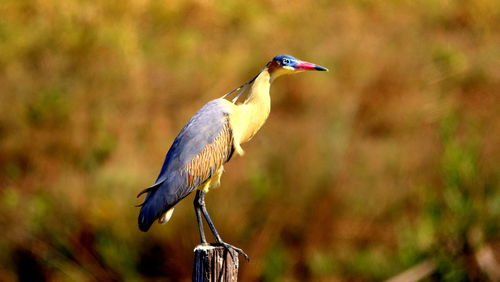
(259,92)
(249,116)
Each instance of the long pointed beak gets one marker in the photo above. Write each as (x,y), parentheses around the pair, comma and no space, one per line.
(309,66)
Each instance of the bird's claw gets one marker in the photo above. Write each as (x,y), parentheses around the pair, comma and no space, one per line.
(228,247)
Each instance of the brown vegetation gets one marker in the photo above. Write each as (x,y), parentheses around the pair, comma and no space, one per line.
(388,160)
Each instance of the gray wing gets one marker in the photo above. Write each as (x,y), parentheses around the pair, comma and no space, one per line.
(201,148)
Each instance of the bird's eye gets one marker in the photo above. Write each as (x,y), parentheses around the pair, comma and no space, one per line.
(286,61)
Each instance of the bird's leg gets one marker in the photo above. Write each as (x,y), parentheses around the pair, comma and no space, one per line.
(201,195)
(207,216)
(198,203)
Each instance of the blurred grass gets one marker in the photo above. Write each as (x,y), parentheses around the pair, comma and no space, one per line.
(388,160)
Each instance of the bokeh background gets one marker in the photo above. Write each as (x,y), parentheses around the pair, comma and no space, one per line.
(388,161)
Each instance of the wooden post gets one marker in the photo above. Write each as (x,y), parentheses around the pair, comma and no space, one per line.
(214,263)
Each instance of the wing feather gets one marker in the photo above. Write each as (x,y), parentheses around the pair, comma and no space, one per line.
(201,148)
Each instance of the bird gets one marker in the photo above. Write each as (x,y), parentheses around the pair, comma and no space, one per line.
(195,160)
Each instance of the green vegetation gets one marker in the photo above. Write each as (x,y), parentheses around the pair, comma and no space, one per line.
(388,160)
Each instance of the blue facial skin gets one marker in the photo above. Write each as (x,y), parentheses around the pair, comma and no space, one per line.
(286,60)
(290,61)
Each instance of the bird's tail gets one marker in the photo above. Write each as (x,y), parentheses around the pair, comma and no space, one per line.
(159,202)
(152,208)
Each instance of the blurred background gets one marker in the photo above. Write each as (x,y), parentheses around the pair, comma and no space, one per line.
(387,162)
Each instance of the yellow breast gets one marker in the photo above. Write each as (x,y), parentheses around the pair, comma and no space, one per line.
(247,118)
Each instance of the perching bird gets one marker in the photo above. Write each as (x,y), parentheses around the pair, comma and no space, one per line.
(196,159)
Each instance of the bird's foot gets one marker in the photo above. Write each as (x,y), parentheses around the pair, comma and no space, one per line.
(228,247)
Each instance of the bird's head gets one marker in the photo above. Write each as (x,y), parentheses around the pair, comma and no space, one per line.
(286,64)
